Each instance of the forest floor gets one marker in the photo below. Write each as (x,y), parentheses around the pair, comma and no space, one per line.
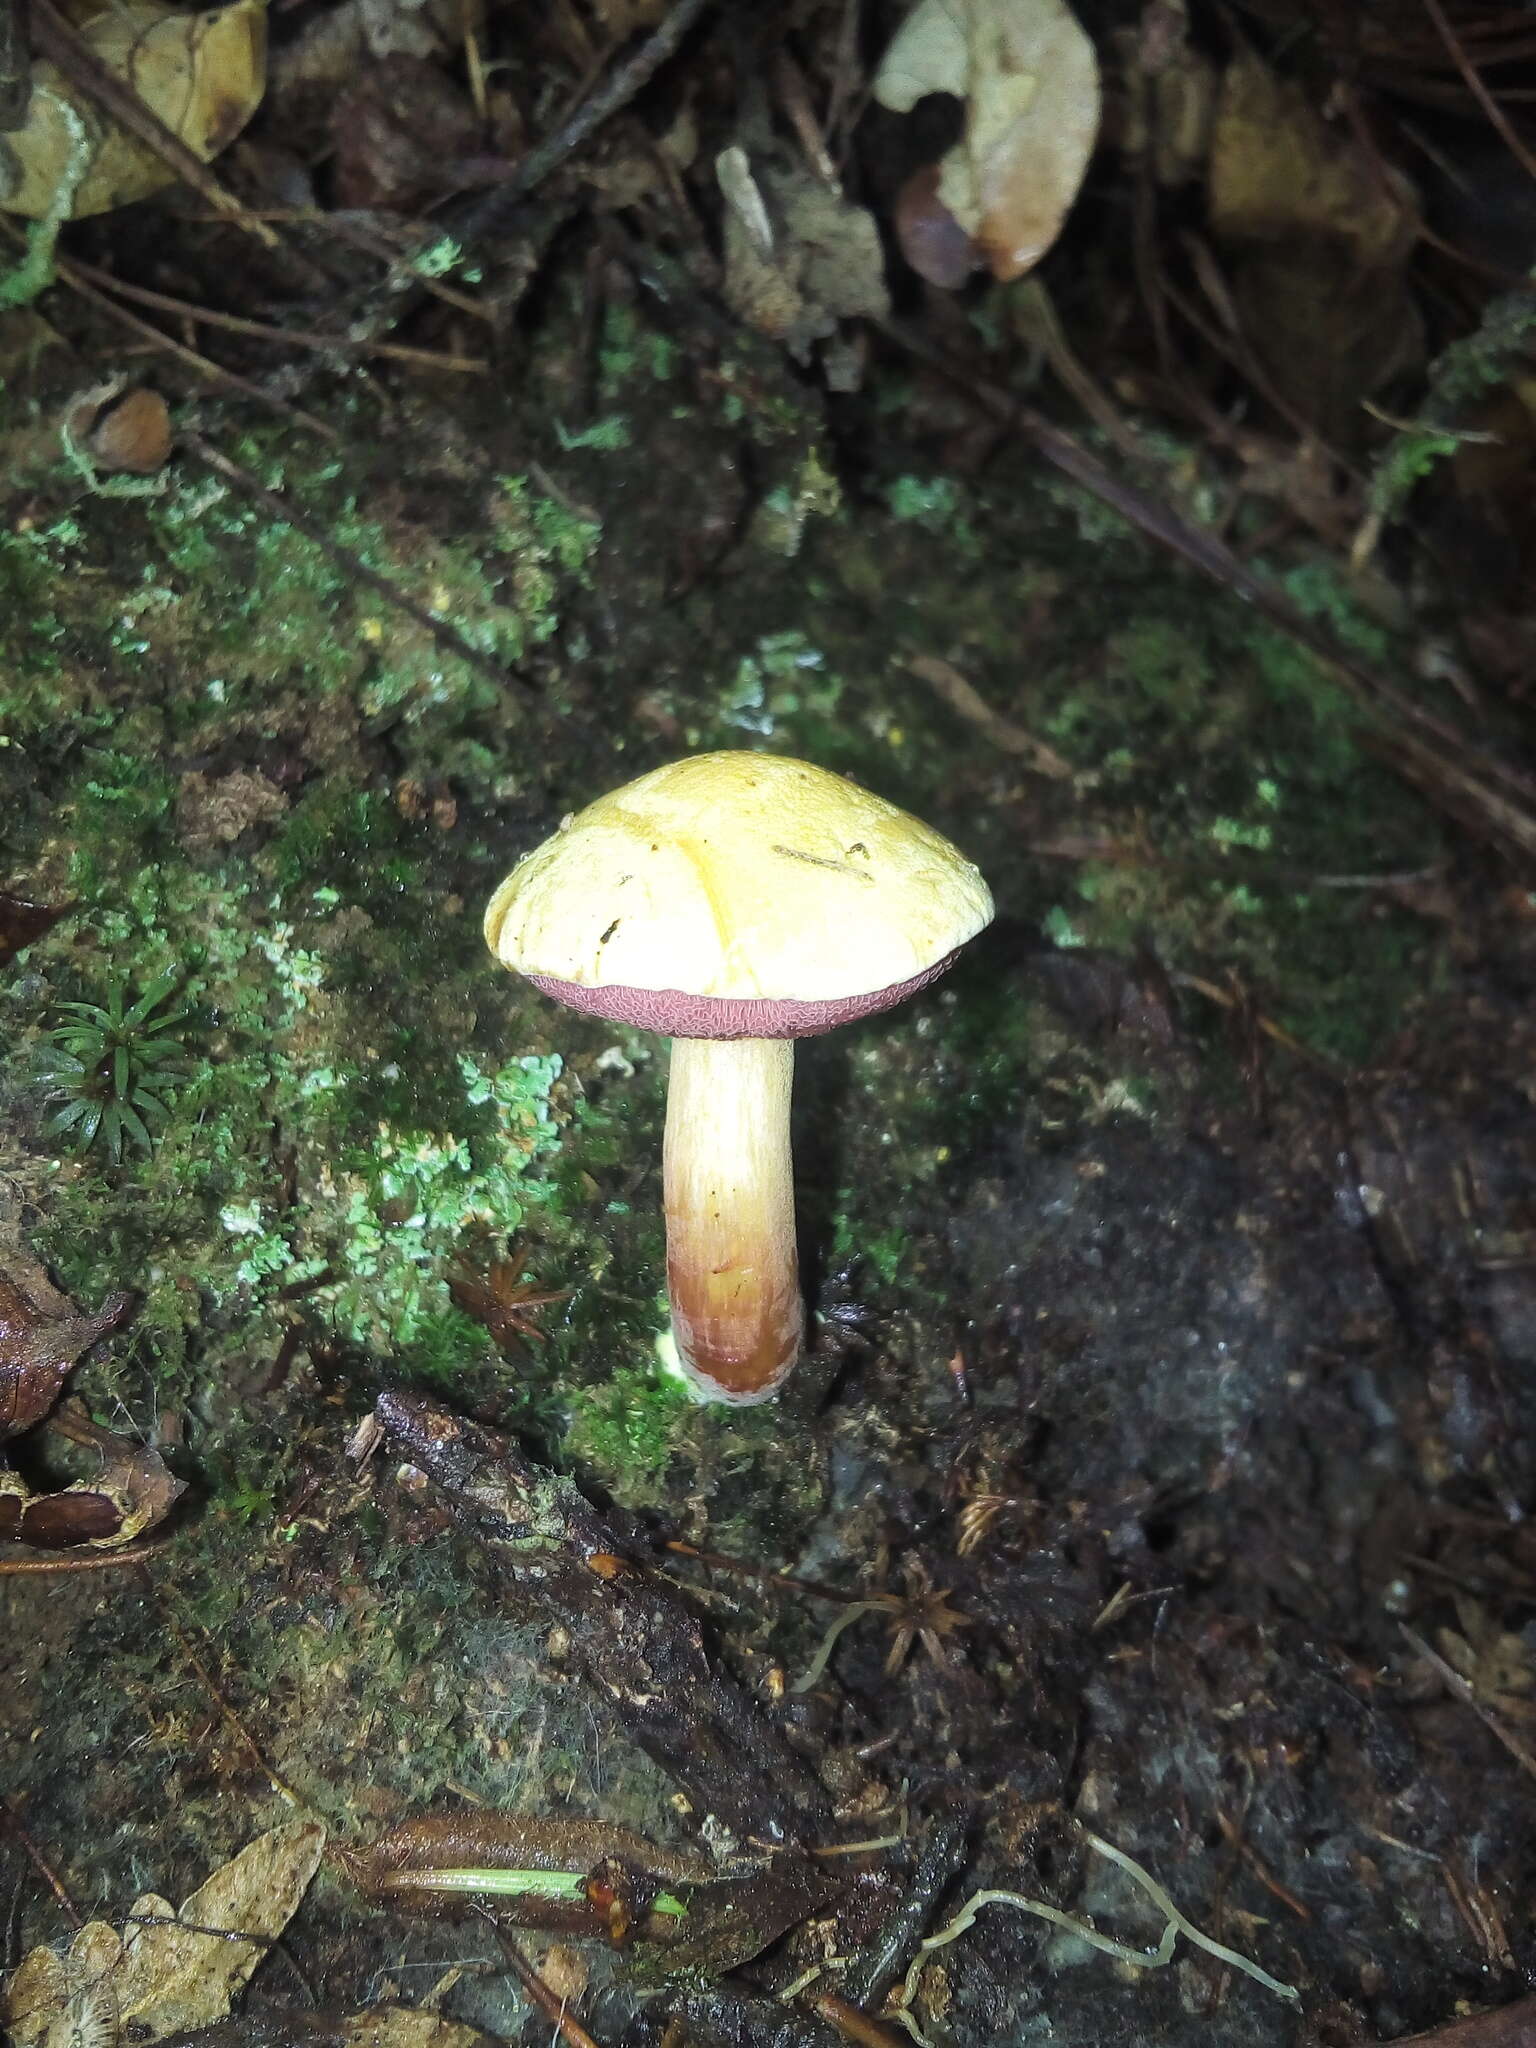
(1165,1449)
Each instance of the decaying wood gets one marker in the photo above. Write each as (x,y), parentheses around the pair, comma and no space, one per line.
(42,1335)
(630,1634)
(1511,2026)
(876,1968)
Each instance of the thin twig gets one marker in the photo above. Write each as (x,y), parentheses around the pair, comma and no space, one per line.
(852,2024)
(537,1991)
(1228,1001)
(352,566)
(39,1862)
(203,366)
(1497,118)
(63,45)
(210,1685)
(1509,2026)
(1467,1694)
(1255,1863)
(489,218)
(261,330)
(368,236)
(718,1562)
(93,1561)
(620,88)
(962,696)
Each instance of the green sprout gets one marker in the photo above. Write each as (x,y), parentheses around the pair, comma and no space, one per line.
(111,1067)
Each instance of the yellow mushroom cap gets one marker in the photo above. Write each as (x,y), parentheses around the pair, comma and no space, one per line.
(739,878)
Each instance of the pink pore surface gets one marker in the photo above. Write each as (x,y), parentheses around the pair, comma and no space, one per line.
(677,1015)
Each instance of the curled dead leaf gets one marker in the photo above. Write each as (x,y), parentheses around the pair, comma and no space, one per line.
(130,1494)
(1029,77)
(21,920)
(202,74)
(42,1334)
(122,430)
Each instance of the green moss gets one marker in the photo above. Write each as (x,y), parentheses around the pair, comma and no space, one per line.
(624,1428)
(403,1199)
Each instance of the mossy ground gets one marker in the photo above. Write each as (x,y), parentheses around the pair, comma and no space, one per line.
(235,763)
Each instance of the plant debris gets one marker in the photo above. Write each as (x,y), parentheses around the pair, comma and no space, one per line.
(202,74)
(1029,78)
(626,1631)
(129,1495)
(22,923)
(1145,1959)
(1163,1456)
(42,1337)
(165,1971)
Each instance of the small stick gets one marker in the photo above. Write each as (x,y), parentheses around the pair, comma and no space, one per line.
(962,696)
(620,88)
(1511,2026)
(538,1992)
(279,508)
(1425,747)
(1497,118)
(1267,1025)
(852,2024)
(210,1685)
(486,220)
(876,1968)
(1251,1857)
(96,1560)
(261,330)
(35,1857)
(1463,1691)
(202,365)
(717,1562)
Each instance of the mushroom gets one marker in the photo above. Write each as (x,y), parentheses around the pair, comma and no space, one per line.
(735,902)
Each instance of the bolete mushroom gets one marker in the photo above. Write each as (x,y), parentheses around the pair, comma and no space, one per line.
(735,902)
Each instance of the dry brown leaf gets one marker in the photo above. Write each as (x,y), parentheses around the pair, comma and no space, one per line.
(130,1496)
(121,429)
(203,74)
(1279,171)
(1317,231)
(41,1336)
(174,1975)
(1029,78)
(181,1971)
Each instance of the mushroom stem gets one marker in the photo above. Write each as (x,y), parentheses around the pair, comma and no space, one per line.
(729,1190)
